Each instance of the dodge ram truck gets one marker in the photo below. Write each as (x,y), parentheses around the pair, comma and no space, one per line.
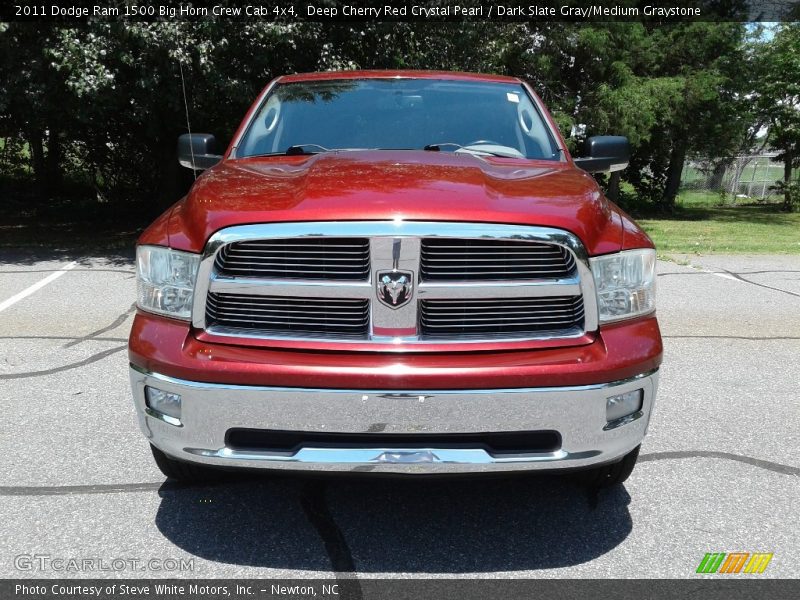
(396,272)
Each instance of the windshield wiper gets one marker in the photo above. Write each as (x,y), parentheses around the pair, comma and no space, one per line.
(437,147)
(298,149)
(478,149)
(304,150)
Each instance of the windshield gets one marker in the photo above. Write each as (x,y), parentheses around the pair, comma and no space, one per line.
(450,116)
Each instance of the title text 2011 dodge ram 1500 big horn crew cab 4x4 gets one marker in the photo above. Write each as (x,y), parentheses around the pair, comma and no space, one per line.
(396,272)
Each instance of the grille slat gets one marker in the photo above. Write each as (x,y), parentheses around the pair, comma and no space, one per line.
(314,258)
(331,269)
(493,257)
(275,316)
(443,318)
(501,245)
(280,315)
(497,327)
(294,258)
(492,260)
(493,275)
(289,251)
(298,307)
(294,243)
(560,315)
(504,302)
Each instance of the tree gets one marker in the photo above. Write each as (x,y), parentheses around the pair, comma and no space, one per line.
(35,106)
(110,95)
(118,89)
(699,65)
(673,90)
(777,94)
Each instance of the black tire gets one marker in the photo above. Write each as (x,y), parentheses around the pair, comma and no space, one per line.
(612,474)
(183,471)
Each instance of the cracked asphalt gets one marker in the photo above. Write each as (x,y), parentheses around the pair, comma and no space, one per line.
(719,470)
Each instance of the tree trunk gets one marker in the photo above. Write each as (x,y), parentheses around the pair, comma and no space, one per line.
(53,161)
(37,160)
(715,179)
(674,171)
(787,167)
(612,193)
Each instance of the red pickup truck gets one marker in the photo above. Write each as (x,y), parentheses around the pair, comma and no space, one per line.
(396,272)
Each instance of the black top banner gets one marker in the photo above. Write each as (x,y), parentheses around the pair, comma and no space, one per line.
(655,11)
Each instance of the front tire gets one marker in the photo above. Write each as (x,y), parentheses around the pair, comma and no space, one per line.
(610,475)
(183,471)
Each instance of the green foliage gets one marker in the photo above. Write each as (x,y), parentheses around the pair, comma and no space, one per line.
(777,97)
(103,102)
(791,194)
(673,90)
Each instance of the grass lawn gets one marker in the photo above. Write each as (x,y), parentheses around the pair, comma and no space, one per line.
(702,226)
(757,170)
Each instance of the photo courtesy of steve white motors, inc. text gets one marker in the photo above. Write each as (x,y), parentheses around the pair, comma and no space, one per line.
(194,590)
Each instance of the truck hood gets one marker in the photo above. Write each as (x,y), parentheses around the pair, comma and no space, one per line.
(385,185)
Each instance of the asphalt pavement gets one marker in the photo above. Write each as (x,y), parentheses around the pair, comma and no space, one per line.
(719,470)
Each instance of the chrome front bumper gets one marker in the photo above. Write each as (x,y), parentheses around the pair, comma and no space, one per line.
(576,413)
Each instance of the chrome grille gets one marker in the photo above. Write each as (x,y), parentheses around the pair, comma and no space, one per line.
(318,282)
(313,258)
(507,317)
(289,316)
(467,259)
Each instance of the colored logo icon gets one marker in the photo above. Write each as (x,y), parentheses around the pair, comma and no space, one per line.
(734,562)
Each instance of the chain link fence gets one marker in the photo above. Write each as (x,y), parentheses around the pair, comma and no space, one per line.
(739,180)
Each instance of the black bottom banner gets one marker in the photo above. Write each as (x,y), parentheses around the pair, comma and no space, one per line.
(398,589)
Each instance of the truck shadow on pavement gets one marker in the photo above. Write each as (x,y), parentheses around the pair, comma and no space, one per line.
(392,525)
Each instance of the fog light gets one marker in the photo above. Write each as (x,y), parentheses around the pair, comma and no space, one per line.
(623,405)
(167,405)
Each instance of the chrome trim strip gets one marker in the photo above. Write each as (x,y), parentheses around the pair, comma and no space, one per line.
(291,287)
(387,235)
(396,456)
(623,420)
(385,339)
(162,417)
(499,290)
(412,394)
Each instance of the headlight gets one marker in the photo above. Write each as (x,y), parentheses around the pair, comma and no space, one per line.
(165,279)
(625,283)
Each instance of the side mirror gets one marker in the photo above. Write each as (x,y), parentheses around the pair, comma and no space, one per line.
(605,154)
(196,151)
